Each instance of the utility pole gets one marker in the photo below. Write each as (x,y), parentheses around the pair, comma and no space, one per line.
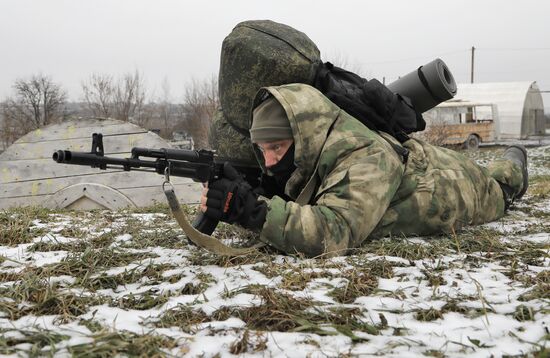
(472,73)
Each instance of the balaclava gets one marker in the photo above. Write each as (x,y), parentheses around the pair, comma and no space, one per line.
(270,123)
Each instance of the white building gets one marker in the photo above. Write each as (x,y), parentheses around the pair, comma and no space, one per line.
(520,106)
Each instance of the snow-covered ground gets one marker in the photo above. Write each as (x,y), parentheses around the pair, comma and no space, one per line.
(129,283)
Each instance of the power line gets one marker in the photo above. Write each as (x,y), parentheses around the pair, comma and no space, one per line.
(415,58)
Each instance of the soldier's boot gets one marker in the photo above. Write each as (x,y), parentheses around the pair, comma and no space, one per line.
(518,155)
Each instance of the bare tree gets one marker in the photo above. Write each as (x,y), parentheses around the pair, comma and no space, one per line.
(437,133)
(199,105)
(37,102)
(98,94)
(123,98)
(165,109)
(129,98)
(10,128)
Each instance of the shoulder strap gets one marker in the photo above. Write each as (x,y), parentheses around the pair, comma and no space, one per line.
(399,149)
(197,237)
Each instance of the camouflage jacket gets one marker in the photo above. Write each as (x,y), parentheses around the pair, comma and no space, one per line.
(362,186)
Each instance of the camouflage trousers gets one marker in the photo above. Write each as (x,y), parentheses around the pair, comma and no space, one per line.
(442,190)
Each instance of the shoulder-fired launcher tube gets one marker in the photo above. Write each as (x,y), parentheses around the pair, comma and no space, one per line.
(426,87)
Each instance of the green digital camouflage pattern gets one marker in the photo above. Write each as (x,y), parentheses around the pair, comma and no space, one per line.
(364,190)
(229,143)
(257,54)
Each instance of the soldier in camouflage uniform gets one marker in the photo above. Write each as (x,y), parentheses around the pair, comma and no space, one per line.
(347,183)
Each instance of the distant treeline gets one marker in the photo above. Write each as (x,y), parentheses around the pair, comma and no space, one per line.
(38,101)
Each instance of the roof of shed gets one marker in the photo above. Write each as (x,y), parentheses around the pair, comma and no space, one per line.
(512,92)
(29,176)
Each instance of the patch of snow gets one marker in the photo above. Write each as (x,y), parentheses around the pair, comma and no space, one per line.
(539,238)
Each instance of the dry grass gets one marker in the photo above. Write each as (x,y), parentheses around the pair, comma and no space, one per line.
(540,287)
(285,313)
(144,301)
(81,264)
(16,226)
(110,344)
(539,187)
(37,296)
(249,342)
(182,316)
(430,314)
(358,283)
(36,340)
(150,273)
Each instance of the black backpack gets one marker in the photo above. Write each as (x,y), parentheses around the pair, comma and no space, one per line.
(370,102)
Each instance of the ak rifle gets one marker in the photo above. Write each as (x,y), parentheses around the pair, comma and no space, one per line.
(199,165)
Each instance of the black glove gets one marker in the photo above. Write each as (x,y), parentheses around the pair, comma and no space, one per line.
(232,200)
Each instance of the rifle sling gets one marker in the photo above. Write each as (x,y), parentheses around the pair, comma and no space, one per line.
(202,240)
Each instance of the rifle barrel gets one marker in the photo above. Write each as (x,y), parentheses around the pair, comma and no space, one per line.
(97,161)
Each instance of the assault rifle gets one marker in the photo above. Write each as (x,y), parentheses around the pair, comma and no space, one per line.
(201,166)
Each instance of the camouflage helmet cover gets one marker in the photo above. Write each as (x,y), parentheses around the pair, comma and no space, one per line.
(257,54)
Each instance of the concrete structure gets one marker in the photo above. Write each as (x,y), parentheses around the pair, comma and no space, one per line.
(520,106)
(29,176)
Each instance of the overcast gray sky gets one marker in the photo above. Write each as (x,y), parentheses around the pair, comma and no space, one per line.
(180,40)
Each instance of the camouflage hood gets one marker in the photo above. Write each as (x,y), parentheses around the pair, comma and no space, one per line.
(311,117)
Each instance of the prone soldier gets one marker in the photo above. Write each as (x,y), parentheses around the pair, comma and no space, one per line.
(340,183)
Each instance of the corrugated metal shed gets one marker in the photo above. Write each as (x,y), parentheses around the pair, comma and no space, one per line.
(520,106)
(29,176)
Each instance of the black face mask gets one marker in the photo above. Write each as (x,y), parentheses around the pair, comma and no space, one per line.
(284,168)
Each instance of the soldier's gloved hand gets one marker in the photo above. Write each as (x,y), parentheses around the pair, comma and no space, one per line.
(232,200)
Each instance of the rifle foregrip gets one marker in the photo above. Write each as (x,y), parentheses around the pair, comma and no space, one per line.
(205,224)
